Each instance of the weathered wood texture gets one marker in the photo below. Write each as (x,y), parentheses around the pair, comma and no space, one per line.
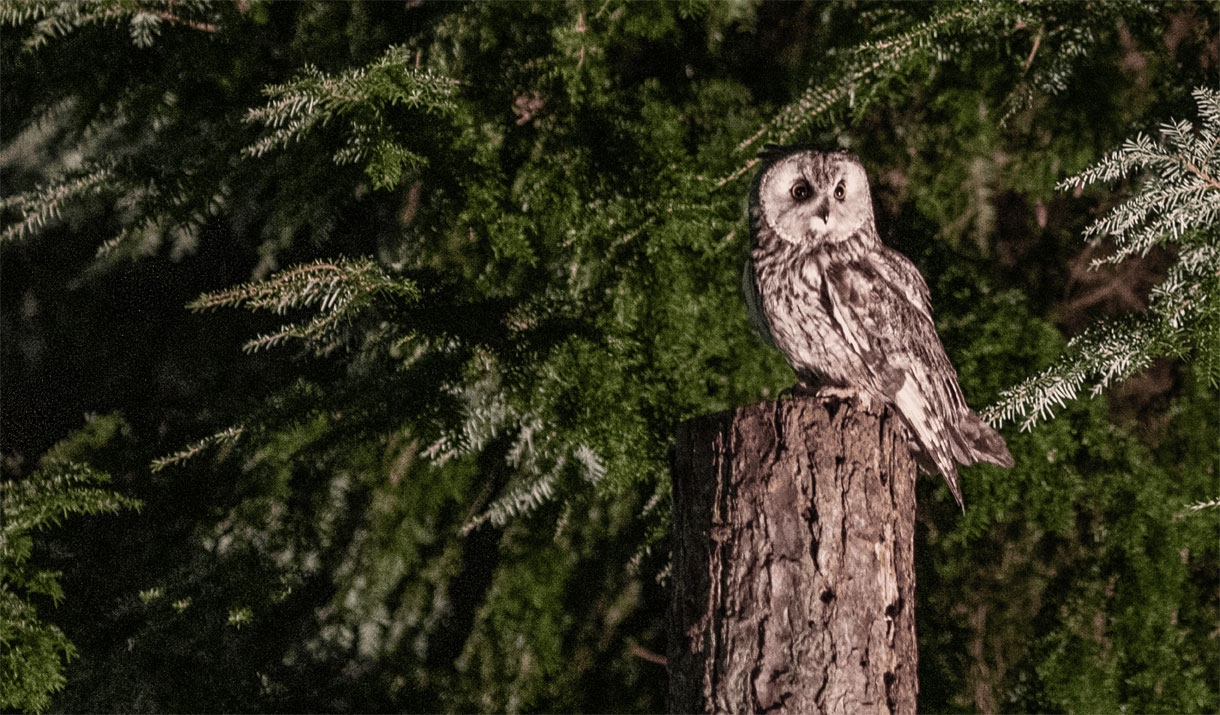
(793,572)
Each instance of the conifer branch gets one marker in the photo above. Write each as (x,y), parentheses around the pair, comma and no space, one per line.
(521,498)
(1104,354)
(364,97)
(1180,194)
(487,413)
(537,456)
(338,290)
(872,63)
(51,494)
(859,78)
(227,436)
(1178,202)
(538,471)
(33,652)
(1207,504)
(155,213)
(39,207)
(53,19)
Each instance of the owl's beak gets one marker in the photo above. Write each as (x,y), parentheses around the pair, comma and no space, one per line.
(822,208)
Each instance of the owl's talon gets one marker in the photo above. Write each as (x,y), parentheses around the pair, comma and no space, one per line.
(846,394)
(798,390)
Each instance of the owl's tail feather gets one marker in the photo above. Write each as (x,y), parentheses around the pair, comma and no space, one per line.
(983,443)
(973,441)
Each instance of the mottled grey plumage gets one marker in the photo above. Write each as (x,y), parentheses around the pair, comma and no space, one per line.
(850,314)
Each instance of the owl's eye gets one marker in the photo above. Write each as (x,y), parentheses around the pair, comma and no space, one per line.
(801,191)
(840,191)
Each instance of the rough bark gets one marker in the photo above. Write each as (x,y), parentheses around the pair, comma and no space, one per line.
(793,572)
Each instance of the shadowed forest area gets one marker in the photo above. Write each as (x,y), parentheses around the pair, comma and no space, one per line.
(343,343)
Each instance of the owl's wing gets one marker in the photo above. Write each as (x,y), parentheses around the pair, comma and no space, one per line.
(754,311)
(881,303)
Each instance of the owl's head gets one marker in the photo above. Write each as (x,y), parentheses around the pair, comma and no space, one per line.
(808,197)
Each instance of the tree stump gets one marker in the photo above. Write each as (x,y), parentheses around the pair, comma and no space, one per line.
(793,572)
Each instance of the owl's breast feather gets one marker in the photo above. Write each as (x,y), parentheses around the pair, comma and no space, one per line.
(798,314)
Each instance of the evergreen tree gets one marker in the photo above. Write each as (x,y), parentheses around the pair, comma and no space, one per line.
(491,255)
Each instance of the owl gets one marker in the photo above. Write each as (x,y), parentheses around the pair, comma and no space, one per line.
(852,316)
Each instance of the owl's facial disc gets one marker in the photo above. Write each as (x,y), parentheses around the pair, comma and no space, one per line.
(809,198)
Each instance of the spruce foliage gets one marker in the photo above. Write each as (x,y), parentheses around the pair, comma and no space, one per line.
(487,258)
